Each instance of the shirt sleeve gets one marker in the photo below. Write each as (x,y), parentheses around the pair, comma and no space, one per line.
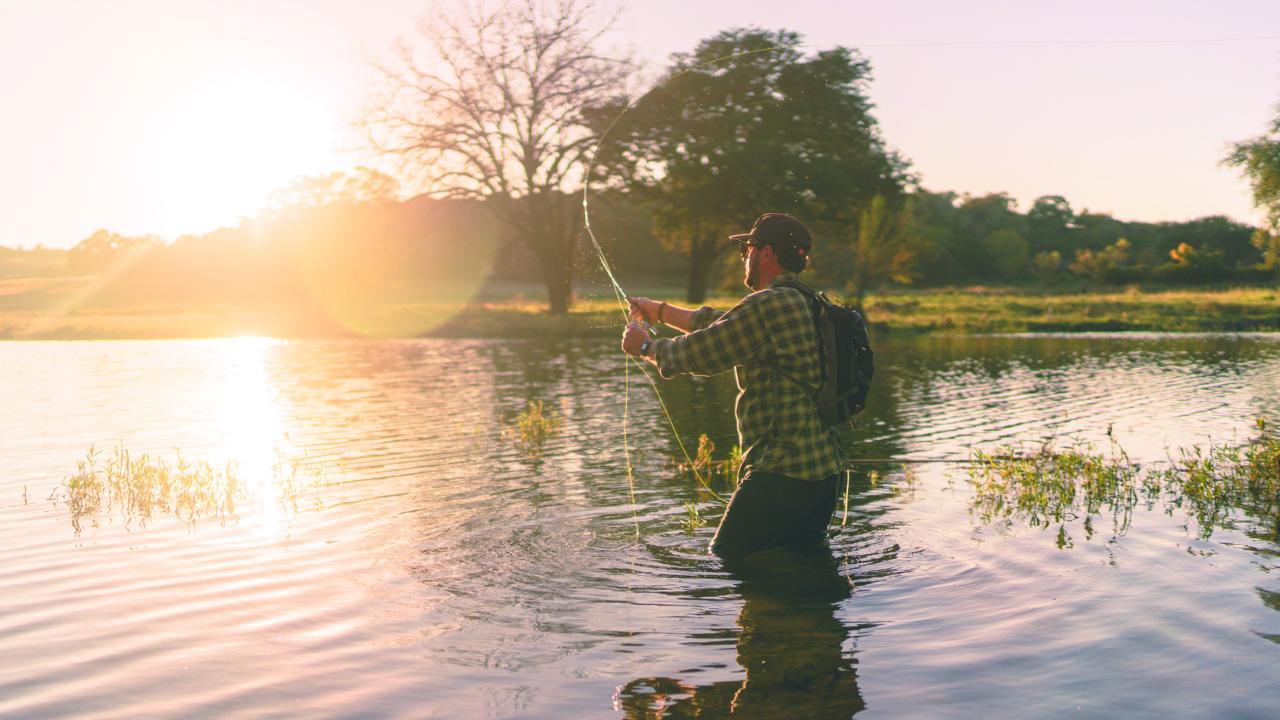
(732,338)
(704,316)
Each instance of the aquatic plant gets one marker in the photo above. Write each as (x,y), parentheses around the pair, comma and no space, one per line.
(532,427)
(706,465)
(693,518)
(1215,481)
(141,487)
(1211,484)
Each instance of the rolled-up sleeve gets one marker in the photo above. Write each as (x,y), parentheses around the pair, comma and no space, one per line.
(722,341)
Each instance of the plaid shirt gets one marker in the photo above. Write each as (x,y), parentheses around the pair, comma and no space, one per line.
(770,341)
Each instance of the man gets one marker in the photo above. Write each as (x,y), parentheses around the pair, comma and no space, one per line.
(788,482)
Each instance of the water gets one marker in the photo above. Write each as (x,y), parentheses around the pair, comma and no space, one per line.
(436,569)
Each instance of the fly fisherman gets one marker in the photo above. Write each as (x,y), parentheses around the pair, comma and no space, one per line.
(788,482)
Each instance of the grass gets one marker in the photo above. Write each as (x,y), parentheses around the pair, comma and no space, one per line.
(31,310)
(142,487)
(1212,486)
(995,310)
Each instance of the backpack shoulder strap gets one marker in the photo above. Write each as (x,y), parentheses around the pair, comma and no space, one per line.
(814,297)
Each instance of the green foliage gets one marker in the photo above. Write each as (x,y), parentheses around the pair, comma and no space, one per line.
(1050,224)
(1047,265)
(1006,254)
(882,249)
(142,487)
(1213,486)
(1189,264)
(1268,244)
(532,427)
(743,124)
(708,467)
(693,517)
(1112,264)
(1258,159)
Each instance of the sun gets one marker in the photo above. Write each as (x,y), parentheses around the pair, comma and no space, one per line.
(215,150)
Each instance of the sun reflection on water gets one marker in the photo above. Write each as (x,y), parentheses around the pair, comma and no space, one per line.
(252,422)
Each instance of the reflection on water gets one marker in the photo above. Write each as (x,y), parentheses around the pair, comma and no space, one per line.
(451,573)
(790,645)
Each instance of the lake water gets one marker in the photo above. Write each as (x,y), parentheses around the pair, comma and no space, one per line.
(424,564)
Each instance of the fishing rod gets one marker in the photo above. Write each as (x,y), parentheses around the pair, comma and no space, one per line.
(623,298)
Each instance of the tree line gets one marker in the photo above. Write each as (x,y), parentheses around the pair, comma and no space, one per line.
(503,114)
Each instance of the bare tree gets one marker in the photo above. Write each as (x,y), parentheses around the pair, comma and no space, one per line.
(491,110)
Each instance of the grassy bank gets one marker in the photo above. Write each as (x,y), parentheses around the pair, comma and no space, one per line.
(517,312)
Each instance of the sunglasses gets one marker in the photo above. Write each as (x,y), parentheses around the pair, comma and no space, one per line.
(744,247)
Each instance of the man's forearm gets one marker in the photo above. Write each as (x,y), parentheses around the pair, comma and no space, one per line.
(675,316)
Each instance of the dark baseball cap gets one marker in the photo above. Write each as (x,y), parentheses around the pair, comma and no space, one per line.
(787,235)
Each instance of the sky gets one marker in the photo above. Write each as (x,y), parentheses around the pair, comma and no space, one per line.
(169,117)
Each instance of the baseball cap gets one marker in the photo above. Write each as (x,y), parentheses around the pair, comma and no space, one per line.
(787,235)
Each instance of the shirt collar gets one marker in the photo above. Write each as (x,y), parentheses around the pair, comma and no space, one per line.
(786,277)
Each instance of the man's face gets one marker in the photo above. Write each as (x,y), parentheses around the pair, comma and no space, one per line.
(752,255)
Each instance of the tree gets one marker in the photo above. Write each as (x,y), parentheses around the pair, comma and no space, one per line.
(1049,223)
(1007,254)
(1269,245)
(1112,264)
(105,250)
(977,219)
(1259,159)
(361,185)
(1047,264)
(492,110)
(882,251)
(746,124)
(1187,263)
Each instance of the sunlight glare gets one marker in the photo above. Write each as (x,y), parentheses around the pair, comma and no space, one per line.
(216,151)
(252,422)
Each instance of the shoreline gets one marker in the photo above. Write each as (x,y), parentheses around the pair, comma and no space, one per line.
(972,311)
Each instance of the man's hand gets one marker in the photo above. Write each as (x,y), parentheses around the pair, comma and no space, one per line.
(633,337)
(642,308)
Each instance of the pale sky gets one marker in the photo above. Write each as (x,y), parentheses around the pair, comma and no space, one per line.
(179,116)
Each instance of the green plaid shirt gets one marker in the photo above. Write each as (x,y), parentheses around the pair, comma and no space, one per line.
(770,341)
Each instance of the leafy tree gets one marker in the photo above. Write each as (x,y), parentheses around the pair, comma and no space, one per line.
(1259,159)
(1007,253)
(493,110)
(977,219)
(1187,263)
(882,251)
(934,219)
(1112,264)
(1047,264)
(1216,232)
(358,186)
(105,250)
(745,124)
(1269,245)
(1049,223)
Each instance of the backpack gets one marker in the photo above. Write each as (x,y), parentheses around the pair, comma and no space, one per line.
(844,354)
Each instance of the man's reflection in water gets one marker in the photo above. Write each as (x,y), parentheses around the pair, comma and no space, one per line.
(790,644)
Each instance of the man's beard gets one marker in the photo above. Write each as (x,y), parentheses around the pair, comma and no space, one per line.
(753,275)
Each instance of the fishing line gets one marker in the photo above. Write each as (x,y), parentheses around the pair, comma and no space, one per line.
(621,295)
